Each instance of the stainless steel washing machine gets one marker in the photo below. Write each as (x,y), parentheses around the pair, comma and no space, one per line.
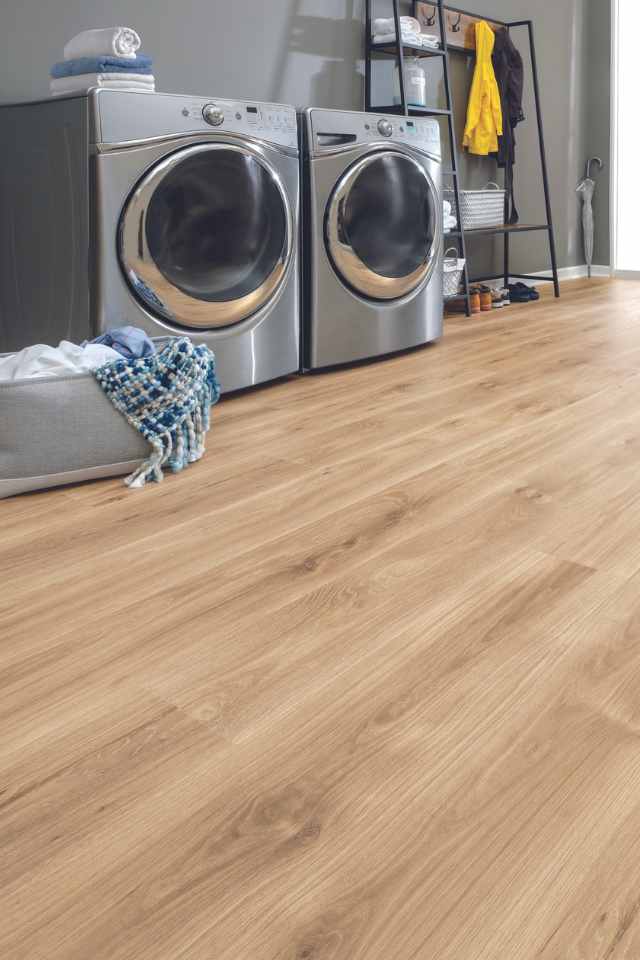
(373,235)
(197,227)
(177,214)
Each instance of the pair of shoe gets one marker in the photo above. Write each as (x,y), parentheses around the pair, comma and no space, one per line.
(459,304)
(481,299)
(521,293)
(501,298)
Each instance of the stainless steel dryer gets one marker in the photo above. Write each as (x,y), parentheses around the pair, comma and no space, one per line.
(373,235)
(178,214)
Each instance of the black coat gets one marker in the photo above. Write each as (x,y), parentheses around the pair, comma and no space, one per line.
(509,71)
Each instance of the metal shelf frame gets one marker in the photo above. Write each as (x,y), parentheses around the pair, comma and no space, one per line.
(399,51)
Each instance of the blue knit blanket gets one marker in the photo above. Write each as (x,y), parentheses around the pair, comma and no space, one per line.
(167,398)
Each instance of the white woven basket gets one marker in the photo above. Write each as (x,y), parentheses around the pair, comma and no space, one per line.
(452,269)
(479,208)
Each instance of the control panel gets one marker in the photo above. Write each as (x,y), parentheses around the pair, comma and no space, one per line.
(334,128)
(167,115)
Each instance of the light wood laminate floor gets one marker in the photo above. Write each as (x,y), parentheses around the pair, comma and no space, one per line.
(362,685)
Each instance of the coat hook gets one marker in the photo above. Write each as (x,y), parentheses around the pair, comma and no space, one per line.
(455,27)
(432,19)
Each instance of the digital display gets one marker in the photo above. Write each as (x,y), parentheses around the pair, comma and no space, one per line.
(409,123)
(252,109)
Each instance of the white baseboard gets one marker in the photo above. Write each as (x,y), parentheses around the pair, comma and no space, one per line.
(574,273)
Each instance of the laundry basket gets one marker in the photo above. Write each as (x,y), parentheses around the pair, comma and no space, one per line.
(479,208)
(452,270)
(59,430)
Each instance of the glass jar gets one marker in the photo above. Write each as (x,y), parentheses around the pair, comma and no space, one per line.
(415,83)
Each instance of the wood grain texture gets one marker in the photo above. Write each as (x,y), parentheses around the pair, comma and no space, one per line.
(362,685)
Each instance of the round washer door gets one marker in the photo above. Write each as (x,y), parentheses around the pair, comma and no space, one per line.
(207,235)
(382,226)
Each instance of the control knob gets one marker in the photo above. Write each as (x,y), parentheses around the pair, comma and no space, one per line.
(213,114)
(385,128)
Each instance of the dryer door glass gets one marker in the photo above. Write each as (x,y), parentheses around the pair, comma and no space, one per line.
(382,227)
(206,237)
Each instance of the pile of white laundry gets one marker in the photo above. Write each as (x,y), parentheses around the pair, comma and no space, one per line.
(449,220)
(67,358)
(384,31)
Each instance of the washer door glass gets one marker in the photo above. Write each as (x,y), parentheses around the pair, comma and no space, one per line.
(382,228)
(206,236)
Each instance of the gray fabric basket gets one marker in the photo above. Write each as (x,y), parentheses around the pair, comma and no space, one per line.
(57,430)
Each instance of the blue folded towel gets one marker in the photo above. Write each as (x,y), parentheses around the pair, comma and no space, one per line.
(76,68)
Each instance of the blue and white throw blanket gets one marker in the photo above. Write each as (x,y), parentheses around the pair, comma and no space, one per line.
(167,398)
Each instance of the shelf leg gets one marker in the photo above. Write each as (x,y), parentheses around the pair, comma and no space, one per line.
(367,59)
(543,160)
(403,94)
(507,265)
(454,152)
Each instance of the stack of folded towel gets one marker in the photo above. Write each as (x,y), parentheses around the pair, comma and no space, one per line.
(103,58)
(450,222)
(384,31)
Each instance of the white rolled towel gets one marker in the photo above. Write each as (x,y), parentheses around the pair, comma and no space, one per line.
(407,25)
(107,42)
(446,207)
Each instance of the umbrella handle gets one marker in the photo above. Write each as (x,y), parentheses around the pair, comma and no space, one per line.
(592,161)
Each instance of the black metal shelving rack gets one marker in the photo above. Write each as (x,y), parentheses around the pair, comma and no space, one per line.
(399,51)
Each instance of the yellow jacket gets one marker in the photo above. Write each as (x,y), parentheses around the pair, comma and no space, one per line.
(484,113)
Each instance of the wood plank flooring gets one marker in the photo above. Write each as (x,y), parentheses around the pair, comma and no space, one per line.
(362,685)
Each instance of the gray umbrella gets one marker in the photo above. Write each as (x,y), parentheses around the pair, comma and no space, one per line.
(586,189)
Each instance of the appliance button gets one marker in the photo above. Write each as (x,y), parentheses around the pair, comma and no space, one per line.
(385,128)
(213,114)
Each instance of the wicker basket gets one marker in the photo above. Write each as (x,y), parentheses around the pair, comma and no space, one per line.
(479,208)
(452,269)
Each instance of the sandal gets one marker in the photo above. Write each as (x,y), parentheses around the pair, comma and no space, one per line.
(528,293)
(533,293)
(519,293)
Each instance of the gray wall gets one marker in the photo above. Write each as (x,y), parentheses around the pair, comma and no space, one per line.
(297,51)
(310,52)
(561,51)
(573,51)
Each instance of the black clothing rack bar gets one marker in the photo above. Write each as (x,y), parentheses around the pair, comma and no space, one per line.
(399,50)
